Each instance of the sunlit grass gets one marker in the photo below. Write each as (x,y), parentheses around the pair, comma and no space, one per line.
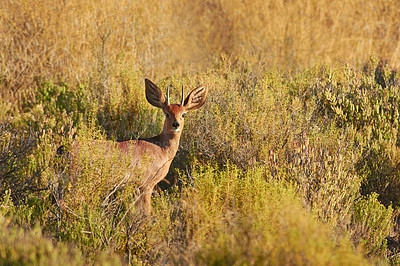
(293,159)
(81,40)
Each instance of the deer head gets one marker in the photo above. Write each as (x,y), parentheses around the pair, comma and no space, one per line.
(175,113)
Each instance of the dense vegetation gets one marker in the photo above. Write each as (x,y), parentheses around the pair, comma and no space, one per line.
(294,158)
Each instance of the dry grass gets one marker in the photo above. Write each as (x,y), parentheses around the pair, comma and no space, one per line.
(93,40)
(78,67)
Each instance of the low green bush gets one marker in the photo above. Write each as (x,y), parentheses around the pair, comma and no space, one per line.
(372,223)
(238,217)
(266,148)
(23,243)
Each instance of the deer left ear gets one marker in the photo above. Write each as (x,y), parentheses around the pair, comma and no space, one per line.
(154,95)
(196,98)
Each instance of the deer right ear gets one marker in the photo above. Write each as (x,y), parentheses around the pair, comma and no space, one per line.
(154,95)
(196,98)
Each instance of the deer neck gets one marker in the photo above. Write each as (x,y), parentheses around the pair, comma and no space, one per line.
(170,142)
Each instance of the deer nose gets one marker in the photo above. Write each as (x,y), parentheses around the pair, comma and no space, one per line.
(175,124)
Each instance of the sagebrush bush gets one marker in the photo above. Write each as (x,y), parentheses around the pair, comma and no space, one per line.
(243,103)
(323,167)
(23,248)
(369,102)
(372,223)
(236,217)
(260,129)
(16,170)
(29,246)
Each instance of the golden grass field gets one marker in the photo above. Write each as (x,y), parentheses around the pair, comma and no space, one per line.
(294,159)
(70,39)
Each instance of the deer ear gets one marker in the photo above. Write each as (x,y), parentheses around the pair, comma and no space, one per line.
(196,98)
(154,95)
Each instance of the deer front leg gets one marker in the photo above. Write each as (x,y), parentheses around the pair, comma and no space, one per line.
(144,201)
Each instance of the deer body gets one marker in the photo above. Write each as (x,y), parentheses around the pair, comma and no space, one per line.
(150,158)
(153,156)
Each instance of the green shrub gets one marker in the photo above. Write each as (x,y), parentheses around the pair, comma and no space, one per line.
(322,166)
(369,101)
(372,222)
(17,173)
(23,243)
(260,129)
(238,217)
(19,247)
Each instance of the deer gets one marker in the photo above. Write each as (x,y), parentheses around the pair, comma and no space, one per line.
(160,150)
(151,158)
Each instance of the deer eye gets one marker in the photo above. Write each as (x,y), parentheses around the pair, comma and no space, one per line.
(166,115)
(183,115)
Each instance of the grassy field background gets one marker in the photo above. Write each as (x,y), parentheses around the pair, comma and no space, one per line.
(75,40)
(294,158)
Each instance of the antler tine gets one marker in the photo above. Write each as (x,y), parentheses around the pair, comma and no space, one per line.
(168,95)
(183,95)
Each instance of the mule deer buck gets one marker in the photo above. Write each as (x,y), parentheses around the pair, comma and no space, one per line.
(150,158)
